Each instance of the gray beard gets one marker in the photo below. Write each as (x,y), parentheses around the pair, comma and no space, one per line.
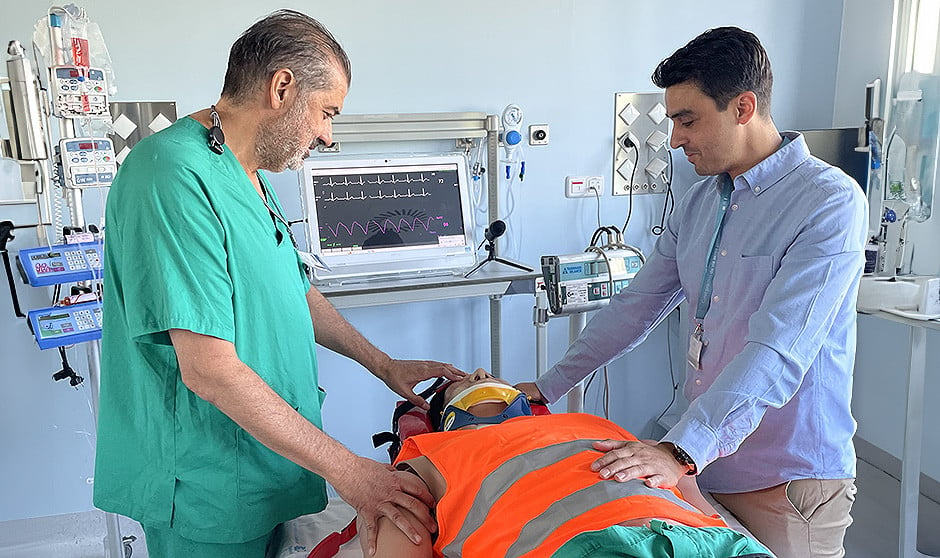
(277,145)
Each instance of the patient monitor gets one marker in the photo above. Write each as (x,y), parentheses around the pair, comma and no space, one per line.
(388,216)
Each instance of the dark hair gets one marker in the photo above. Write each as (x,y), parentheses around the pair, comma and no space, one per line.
(723,62)
(283,39)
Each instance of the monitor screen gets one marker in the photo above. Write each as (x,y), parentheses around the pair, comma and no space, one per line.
(388,215)
(838,148)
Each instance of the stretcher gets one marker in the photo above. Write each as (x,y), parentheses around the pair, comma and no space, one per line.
(331,533)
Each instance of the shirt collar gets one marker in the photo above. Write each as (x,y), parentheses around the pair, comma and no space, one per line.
(762,176)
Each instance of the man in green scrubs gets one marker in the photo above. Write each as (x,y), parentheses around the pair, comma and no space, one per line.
(209,431)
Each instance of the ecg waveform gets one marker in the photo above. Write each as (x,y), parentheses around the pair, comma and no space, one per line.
(378,196)
(374,208)
(362,180)
(382,226)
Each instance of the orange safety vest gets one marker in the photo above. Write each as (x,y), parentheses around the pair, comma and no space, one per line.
(525,487)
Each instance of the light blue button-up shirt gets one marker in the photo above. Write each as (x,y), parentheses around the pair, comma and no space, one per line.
(771,402)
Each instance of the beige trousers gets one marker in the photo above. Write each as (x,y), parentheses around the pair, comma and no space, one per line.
(805,518)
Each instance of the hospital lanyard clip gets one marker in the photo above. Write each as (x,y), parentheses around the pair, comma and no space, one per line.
(697,343)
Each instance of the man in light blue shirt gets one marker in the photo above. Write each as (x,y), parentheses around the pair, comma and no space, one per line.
(768,250)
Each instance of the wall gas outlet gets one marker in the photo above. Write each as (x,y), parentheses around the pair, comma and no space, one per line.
(641,137)
(538,134)
(584,186)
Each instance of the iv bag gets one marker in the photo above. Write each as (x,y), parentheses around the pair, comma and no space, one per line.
(914,147)
(72,24)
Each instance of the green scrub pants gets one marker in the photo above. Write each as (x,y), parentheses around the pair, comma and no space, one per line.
(167,543)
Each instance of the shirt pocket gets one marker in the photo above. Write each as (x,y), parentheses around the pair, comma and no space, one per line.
(750,278)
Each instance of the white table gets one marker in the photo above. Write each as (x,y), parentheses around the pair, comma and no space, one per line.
(492,280)
(913,432)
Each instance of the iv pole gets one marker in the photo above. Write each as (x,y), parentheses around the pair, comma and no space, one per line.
(28,113)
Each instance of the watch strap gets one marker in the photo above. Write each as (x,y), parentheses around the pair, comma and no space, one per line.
(684,459)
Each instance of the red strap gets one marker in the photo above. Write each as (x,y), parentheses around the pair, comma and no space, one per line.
(329,546)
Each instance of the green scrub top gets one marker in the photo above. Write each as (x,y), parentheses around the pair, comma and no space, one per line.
(190,245)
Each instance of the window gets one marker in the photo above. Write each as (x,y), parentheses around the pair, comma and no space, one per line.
(923,33)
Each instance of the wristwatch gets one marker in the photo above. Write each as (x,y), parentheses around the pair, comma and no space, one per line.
(684,459)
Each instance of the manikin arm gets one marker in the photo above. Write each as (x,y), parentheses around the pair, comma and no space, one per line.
(392,542)
(211,368)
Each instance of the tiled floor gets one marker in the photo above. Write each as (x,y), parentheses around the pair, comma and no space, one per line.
(77,535)
(874,534)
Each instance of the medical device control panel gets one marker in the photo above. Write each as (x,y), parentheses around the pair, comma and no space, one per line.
(87,162)
(64,263)
(79,91)
(66,325)
(583,282)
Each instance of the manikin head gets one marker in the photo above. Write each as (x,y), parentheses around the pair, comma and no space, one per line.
(478,399)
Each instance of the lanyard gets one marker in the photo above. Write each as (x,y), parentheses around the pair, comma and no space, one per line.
(275,214)
(705,295)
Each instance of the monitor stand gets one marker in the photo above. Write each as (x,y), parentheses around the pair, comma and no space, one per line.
(492,257)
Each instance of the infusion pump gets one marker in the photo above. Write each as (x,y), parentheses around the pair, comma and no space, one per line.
(586,281)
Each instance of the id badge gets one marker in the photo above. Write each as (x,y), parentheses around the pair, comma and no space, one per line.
(696,346)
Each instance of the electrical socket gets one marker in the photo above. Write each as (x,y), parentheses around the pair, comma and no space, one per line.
(595,183)
(583,186)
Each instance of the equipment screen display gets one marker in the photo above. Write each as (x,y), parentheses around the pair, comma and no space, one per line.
(389,207)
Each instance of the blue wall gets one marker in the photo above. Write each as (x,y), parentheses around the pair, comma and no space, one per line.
(561,60)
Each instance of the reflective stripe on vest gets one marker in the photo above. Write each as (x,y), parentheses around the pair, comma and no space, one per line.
(538,529)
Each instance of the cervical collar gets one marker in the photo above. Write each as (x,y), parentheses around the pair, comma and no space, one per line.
(456,413)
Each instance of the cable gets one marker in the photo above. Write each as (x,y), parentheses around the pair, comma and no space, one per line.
(587,386)
(670,199)
(515,231)
(615,233)
(478,175)
(606,394)
(672,373)
(303,211)
(596,236)
(636,161)
(514,160)
(610,274)
(510,198)
(598,196)
(515,234)
(66,372)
